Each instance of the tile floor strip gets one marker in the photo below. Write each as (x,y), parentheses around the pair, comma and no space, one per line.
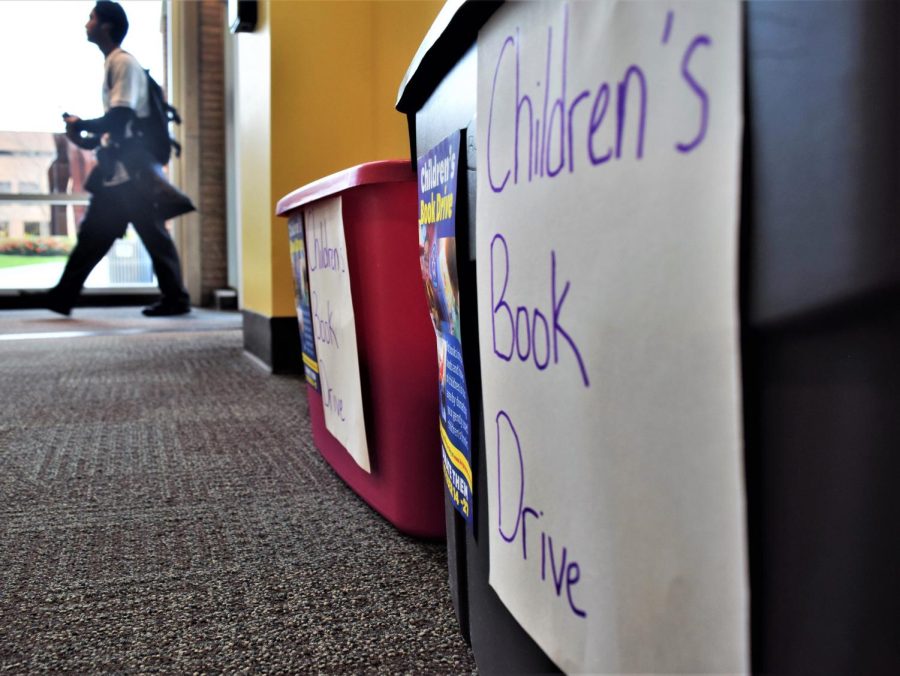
(44,335)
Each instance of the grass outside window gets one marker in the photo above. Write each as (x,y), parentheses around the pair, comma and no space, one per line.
(14,261)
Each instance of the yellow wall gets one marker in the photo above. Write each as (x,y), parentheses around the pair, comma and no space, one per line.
(399,29)
(253,120)
(335,70)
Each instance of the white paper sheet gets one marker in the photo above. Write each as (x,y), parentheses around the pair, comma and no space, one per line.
(334,327)
(607,294)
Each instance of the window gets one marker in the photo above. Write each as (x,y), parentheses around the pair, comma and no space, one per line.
(36,160)
(33,228)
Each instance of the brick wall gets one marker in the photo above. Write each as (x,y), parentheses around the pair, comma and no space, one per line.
(211,203)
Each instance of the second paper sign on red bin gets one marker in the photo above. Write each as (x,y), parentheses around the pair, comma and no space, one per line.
(334,327)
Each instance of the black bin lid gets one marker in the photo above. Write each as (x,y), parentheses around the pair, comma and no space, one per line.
(454,30)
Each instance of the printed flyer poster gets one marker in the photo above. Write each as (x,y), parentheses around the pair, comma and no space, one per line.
(301,294)
(438,170)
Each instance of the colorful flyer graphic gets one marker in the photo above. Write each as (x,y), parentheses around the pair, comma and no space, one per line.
(438,170)
(301,294)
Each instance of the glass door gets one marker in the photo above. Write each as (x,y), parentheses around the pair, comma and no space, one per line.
(48,68)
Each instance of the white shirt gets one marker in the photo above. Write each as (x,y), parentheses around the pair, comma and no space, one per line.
(124,85)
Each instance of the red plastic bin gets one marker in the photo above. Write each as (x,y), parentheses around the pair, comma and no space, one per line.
(396,346)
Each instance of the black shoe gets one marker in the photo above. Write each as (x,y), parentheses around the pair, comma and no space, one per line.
(46,300)
(58,308)
(164,309)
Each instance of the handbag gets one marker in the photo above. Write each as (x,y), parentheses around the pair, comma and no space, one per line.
(167,200)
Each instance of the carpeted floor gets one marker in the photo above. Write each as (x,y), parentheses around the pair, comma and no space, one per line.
(162,509)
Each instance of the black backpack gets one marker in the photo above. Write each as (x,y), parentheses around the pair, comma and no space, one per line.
(154,129)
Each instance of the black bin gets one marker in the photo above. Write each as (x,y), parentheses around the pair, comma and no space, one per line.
(820,322)
(820,282)
(438,96)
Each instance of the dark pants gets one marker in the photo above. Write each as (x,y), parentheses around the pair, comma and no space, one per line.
(110,212)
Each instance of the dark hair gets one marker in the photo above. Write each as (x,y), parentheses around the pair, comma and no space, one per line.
(112,13)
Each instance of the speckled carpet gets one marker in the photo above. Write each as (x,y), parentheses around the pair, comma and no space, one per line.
(162,509)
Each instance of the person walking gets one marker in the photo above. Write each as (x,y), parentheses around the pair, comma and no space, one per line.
(119,184)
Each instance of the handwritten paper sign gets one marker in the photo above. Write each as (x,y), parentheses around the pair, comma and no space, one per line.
(334,328)
(302,298)
(438,171)
(607,214)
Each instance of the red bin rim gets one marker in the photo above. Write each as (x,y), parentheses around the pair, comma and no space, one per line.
(381,171)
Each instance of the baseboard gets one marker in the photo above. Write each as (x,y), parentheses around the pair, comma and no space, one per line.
(275,341)
(12,299)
